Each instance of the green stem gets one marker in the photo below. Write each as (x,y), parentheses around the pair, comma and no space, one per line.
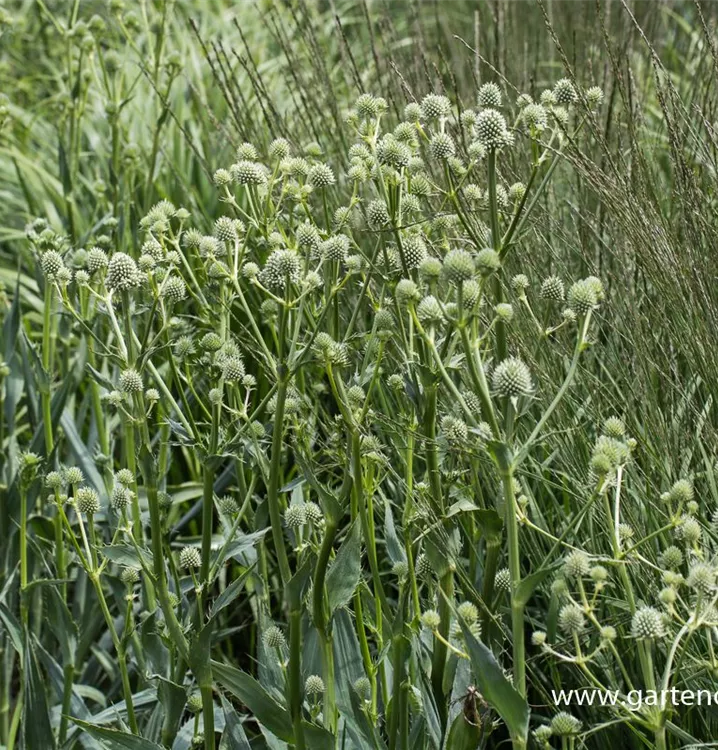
(496,243)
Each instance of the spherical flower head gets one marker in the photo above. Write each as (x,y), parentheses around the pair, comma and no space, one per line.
(576,564)
(174,290)
(336,248)
(130,576)
(232,369)
(502,580)
(468,612)
(190,558)
(281,266)
(442,146)
(87,501)
(194,703)
(702,578)
(491,129)
(565,725)
(367,106)
(565,92)
(647,624)
(429,311)
(552,289)
(225,229)
(356,395)
(222,177)
(488,261)
(273,637)
(594,97)
(430,619)
(393,152)
(571,618)
(246,151)
(377,214)
(51,263)
(295,516)
(321,176)
(121,498)
(279,149)
(246,172)
(54,480)
(534,116)
(542,735)
(512,378)
(125,477)
(520,283)
(122,273)
(430,269)
(435,106)
(384,320)
(414,250)
(582,297)
(424,568)
(671,558)
(489,95)
(681,492)
(131,381)
(455,430)
(314,685)
(96,260)
(459,266)
(504,311)
(614,427)
(406,291)
(210,342)
(313,513)
(362,687)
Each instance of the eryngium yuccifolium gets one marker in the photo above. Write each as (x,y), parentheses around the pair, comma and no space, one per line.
(194,703)
(598,574)
(222,177)
(362,687)
(565,92)
(247,172)
(233,368)
(210,342)
(671,558)
(538,638)
(314,685)
(571,619)
(393,152)
(131,381)
(190,558)
(54,480)
(468,612)
(701,578)
(87,501)
(279,149)
(552,289)
(281,265)
(367,106)
(512,378)
(429,311)
(406,291)
(459,266)
(565,725)
(520,283)
(502,580)
(122,273)
(504,311)
(442,146)
(424,568)
(542,735)
(455,430)
(51,262)
(336,247)
(435,105)
(295,516)
(534,116)
(313,512)
(273,637)
(321,176)
(614,427)
(174,289)
(491,128)
(594,97)
(307,235)
(384,319)
(488,261)
(246,151)
(96,260)
(121,497)
(430,619)
(128,576)
(576,564)
(225,229)
(647,624)
(517,191)
(125,477)
(377,214)
(582,297)
(489,95)
(681,491)
(356,395)
(430,269)
(414,250)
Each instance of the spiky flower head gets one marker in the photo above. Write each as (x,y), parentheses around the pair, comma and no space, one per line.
(702,578)
(414,250)
(571,618)
(233,368)
(273,637)
(313,512)
(520,283)
(502,580)
(681,491)
(552,289)
(336,247)
(491,129)
(279,149)
(87,501)
(459,266)
(594,97)
(228,505)
(392,152)
(51,263)
(429,311)
(314,685)
(582,296)
(190,558)
(295,516)
(281,266)
(538,638)
(690,531)
(565,92)
(542,735)
(614,427)
(442,146)
(647,624)
(576,564)
(468,612)
(130,576)
(247,172)
(174,289)
(430,269)
(54,480)
(671,558)
(121,497)
(424,568)
(321,176)
(377,214)
(210,342)
(122,273)
(565,725)
(406,291)
(362,687)
(434,106)
(488,261)
(131,381)
(430,619)
(512,378)
(489,95)
(455,430)
(504,311)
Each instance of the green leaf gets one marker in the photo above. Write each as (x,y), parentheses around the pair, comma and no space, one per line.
(12,626)
(114,740)
(233,737)
(173,699)
(491,524)
(263,707)
(199,655)
(343,576)
(496,689)
(463,735)
(229,594)
(526,587)
(318,738)
(36,714)
(394,548)
(127,555)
